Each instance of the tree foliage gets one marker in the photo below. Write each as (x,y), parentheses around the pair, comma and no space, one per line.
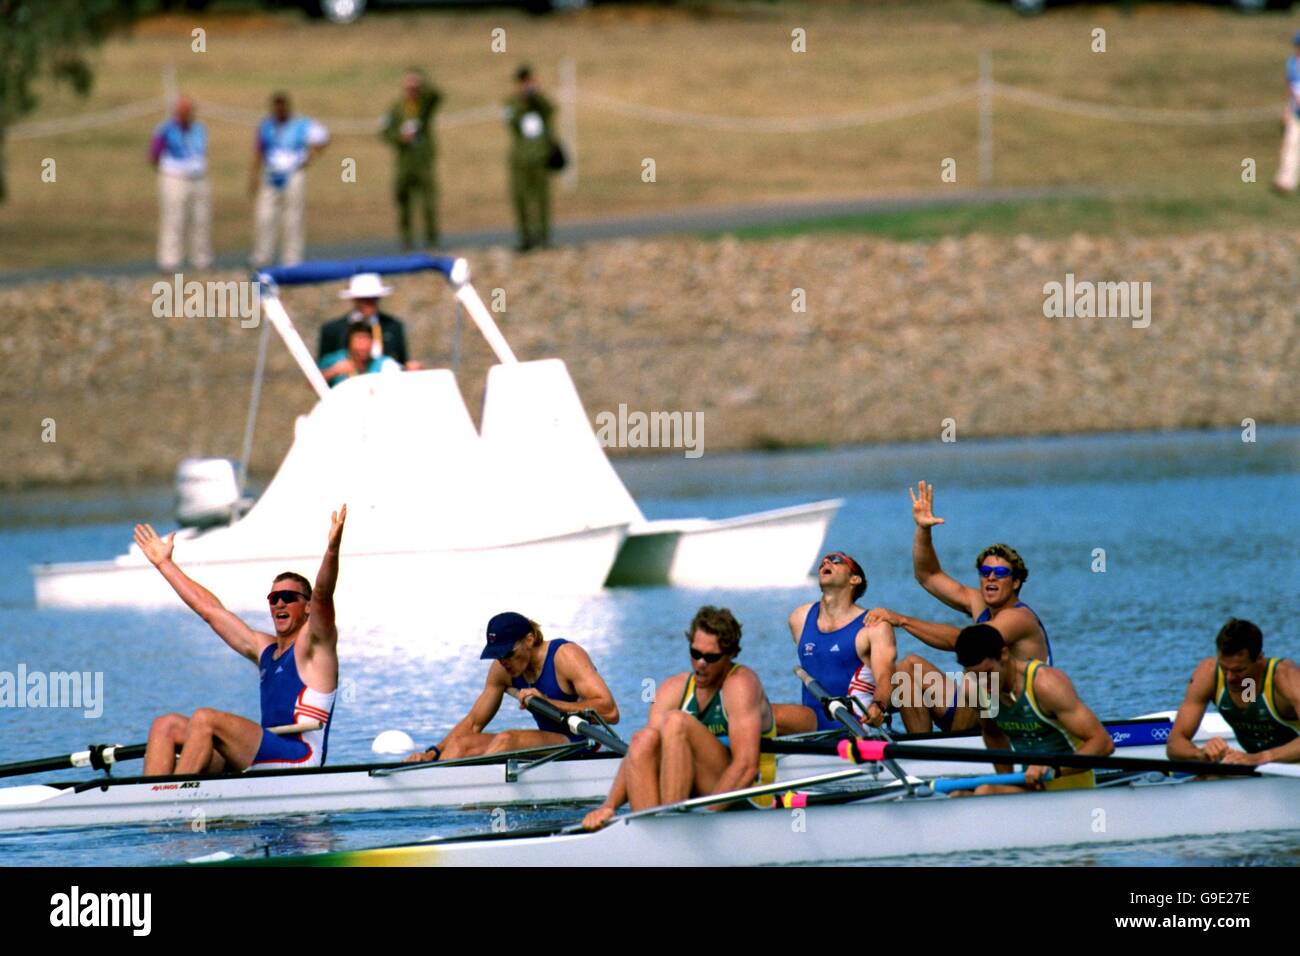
(42,39)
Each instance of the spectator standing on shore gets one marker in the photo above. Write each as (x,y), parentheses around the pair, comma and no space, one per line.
(179,151)
(285,145)
(1288,171)
(529,115)
(388,333)
(409,128)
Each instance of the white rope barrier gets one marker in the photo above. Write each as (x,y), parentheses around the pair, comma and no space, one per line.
(85,121)
(346,126)
(1134,114)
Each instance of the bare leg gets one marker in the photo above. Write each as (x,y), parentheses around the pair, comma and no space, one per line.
(641,769)
(922,693)
(794,719)
(520,739)
(692,758)
(166,733)
(216,740)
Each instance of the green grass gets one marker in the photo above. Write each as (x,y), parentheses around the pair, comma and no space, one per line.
(1045,217)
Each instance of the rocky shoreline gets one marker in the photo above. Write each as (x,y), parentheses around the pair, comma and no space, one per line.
(814,340)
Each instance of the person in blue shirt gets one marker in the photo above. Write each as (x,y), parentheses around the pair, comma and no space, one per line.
(179,151)
(356,359)
(284,146)
(557,671)
(1288,171)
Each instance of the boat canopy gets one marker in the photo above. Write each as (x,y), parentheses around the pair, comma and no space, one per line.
(326,270)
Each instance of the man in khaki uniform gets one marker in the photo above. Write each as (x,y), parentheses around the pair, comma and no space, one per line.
(529,115)
(409,128)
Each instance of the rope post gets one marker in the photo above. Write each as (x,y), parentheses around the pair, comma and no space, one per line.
(455,337)
(986,118)
(569,120)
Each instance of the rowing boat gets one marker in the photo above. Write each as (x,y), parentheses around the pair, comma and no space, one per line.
(535,777)
(892,825)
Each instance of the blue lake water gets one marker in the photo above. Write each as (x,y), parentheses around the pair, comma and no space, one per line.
(1195,527)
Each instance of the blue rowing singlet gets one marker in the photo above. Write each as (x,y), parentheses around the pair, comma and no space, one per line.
(831,658)
(548,685)
(287,700)
(986,616)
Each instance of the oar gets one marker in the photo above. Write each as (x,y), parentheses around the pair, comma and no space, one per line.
(102,756)
(97,756)
(951,785)
(836,708)
(576,723)
(859,751)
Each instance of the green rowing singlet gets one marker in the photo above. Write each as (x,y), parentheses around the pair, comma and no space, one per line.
(1028,728)
(1258,725)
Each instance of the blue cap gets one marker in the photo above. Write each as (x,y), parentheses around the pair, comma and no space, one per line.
(504,631)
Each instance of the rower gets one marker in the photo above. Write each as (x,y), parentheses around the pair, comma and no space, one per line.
(299,668)
(1038,711)
(558,671)
(851,660)
(704,730)
(996,601)
(1258,696)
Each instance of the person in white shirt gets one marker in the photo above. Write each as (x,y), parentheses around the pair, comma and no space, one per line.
(179,151)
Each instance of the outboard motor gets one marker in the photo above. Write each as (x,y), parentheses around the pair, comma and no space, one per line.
(207,492)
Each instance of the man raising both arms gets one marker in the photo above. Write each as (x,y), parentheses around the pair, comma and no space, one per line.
(996,601)
(299,671)
(848,658)
(558,671)
(1258,696)
(705,728)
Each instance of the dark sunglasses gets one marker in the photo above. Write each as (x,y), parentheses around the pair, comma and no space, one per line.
(698,655)
(836,559)
(288,597)
(992,571)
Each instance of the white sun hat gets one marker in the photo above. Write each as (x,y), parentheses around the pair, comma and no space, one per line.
(365,285)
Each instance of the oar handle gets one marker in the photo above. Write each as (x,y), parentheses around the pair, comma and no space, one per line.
(304,727)
(576,723)
(834,706)
(953,784)
(859,751)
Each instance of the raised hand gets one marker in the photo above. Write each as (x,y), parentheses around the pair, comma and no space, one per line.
(336,527)
(923,505)
(156,549)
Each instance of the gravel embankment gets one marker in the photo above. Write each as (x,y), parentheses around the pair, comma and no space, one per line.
(896,338)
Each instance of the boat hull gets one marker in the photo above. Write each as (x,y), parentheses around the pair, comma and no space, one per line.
(108,801)
(767,549)
(955,828)
(566,564)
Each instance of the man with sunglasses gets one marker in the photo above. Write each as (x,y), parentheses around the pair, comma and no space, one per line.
(704,731)
(299,668)
(558,671)
(847,656)
(996,601)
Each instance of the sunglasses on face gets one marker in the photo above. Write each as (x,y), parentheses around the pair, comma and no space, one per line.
(698,655)
(288,597)
(836,559)
(994,571)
